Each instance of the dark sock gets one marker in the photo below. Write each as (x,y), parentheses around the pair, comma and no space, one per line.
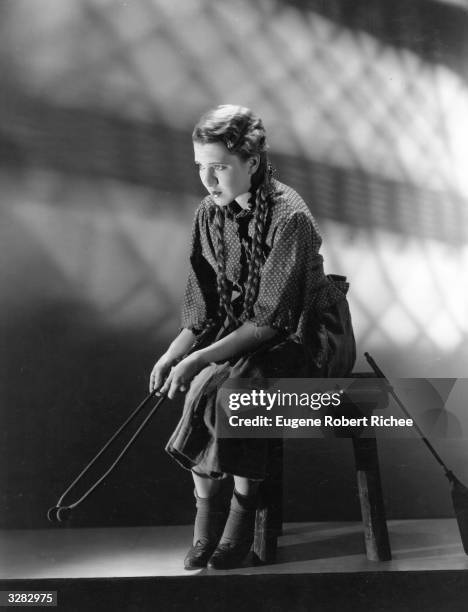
(241,521)
(210,518)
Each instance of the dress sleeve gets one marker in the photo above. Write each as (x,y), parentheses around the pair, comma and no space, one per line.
(292,274)
(200,302)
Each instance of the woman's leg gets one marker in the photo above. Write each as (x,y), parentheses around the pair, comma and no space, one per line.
(246,487)
(239,530)
(205,486)
(209,521)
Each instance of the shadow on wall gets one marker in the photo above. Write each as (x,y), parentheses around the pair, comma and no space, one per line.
(434,29)
(160,157)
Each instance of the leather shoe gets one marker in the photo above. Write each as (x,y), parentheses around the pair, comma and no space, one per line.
(229,555)
(198,555)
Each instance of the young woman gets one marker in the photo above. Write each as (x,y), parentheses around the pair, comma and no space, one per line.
(256,273)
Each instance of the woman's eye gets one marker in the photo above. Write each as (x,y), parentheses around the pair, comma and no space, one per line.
(215,167)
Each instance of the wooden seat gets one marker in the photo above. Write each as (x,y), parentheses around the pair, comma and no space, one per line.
(269,513)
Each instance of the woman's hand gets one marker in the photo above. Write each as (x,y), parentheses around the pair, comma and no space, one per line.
(160,371)
(178,347)
(181,375)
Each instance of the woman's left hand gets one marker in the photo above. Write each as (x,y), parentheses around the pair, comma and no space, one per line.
(181,375)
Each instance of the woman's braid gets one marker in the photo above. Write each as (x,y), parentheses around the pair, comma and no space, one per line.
(256,260)
(222,283)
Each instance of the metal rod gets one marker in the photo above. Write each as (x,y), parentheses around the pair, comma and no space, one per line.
(380,374)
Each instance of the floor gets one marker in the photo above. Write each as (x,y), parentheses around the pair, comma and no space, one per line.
(159,551)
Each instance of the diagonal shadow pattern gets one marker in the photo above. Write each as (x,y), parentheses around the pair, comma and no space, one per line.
(159,156)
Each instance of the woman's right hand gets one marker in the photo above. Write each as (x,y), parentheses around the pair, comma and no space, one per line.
(160,372)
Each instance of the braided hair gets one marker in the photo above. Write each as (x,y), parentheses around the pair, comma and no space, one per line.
(243,134)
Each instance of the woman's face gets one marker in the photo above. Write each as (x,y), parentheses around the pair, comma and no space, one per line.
(224,175)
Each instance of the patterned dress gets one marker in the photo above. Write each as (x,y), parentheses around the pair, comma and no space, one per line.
(295,297)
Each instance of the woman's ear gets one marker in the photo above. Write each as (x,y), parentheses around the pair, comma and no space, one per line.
(254,162)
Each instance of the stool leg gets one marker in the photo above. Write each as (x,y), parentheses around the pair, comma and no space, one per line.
(371,499)
(268,520)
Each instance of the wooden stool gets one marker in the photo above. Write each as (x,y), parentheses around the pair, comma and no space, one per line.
(268,523)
